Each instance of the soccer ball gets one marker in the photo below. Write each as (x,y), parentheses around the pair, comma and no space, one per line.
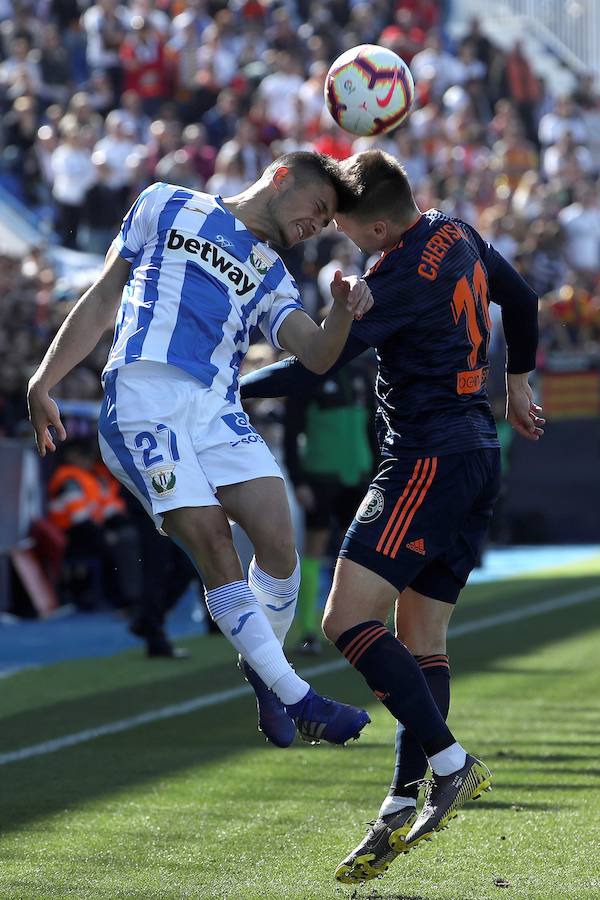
(369,90)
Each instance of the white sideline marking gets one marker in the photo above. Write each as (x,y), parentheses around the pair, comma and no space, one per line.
(188,706)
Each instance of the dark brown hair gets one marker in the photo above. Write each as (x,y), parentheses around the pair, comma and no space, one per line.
(380,186)
(309,166)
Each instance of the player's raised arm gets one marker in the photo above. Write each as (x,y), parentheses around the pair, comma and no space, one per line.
(77,336)
(319,347)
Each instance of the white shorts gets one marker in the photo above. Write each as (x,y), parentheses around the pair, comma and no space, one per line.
(172,441)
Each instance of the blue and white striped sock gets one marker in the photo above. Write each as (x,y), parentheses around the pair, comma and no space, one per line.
(277,596)
(242,620)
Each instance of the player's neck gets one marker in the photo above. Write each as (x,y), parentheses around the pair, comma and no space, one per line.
(399,227)
(249,208)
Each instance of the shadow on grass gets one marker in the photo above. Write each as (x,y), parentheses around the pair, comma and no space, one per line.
(377,895)
(69,778)
(541,757)
(516,805)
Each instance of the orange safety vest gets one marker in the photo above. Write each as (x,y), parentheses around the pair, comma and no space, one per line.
(112,502)
(74,497)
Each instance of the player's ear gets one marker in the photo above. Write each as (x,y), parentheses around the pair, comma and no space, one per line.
(282,177)
(380,230)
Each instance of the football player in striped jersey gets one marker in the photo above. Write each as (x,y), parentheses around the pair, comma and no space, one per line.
(187,278)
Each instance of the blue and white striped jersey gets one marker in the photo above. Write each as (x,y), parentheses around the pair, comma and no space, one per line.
(199,282)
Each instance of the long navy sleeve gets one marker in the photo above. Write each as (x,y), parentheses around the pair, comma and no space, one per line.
(290,377)
(519,305)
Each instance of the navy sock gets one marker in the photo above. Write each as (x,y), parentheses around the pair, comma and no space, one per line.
(394,676)
(411,762)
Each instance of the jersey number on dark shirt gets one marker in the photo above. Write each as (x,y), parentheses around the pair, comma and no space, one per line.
(467,294)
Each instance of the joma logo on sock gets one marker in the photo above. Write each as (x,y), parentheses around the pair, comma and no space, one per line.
(221,263)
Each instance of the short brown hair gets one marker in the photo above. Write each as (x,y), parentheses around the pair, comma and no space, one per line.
(380,185)
(310,166)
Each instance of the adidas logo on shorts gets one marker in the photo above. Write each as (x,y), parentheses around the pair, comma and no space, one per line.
(416,546)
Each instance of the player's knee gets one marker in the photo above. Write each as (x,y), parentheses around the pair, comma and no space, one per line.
(332,626)
(209,544)
(276,554)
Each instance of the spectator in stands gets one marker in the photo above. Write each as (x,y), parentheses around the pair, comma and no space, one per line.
(106,24)
(84,114)
(566,117)
(177,168)
(280,90)
(581,225)
(166,573)
(56,70)
(20,73)
(20,134)
(104,208)
(222,118)
(99,91)
(523,89)
(200,154)
(245,145)
(101,560)
(73,174)
(436,65)
(557,157)
(117,145)
(145,66)
(181,53)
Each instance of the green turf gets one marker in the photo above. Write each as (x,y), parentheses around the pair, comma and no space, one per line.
(197,806)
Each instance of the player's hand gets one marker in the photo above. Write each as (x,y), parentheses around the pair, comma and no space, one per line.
(353,293)
(305,497)
(522,413)
(44,414)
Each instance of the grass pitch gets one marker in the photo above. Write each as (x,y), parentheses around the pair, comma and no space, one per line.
(198,806)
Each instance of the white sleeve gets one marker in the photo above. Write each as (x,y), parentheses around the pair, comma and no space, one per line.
(135,228)
(285,299)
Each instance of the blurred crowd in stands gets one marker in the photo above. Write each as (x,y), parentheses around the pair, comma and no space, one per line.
(100,99)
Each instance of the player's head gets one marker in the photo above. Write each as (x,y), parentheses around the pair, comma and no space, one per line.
(303,191)
(383,205)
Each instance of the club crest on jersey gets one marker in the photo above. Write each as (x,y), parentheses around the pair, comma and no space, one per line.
(259,262)
(163,480)
(371,507)
(219,263)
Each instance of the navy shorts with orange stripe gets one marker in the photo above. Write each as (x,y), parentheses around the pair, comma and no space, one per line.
(423,521)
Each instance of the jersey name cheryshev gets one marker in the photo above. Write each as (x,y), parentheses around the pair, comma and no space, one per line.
(200,281)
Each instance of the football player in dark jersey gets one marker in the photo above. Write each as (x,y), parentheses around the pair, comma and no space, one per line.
(418,533)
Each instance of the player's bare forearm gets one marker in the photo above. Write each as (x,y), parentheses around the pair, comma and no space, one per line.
(329,340)
(85,324)
(318,348)
(77,336)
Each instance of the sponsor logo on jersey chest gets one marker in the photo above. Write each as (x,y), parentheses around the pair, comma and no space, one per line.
(218,262)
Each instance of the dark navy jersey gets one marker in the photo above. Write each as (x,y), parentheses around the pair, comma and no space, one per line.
(430,326)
